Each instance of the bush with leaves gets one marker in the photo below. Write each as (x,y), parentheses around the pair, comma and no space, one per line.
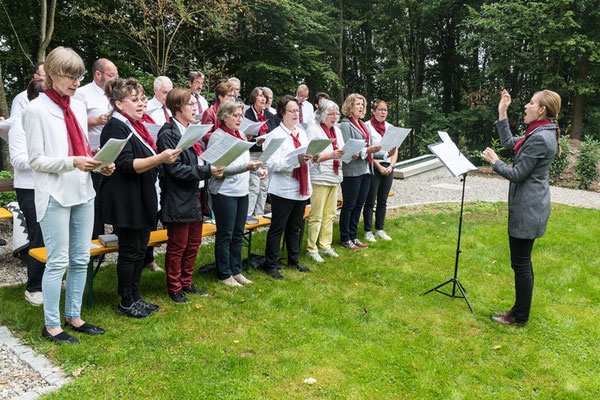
(561,161)
(586,167)
(7,197)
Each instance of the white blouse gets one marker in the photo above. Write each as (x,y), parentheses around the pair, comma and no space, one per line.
(322,173)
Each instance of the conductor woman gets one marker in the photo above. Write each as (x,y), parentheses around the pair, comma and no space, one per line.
(529,193)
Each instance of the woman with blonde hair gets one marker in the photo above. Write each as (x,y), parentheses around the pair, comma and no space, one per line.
(61,159)
(529,192)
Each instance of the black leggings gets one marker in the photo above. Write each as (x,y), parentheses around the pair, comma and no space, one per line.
(380,190)
(130,262)
(520,258)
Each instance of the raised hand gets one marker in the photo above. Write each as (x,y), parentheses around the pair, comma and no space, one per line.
(505,101)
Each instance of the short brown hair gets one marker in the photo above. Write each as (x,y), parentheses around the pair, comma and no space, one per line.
(193,75)
(377,103)
(62,61)
(35,87)
(349,102)
(283,102)
(118,89)
(177,99)
(254,94)
(223,89)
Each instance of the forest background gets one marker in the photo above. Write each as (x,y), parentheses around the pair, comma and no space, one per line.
(439,64)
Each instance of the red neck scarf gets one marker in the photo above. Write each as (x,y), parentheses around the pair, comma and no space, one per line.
(365,132)
(301,120)
(236,134)
(141,130)
(378,126)
(530,128)
(148,119)
(259,118)
(78,143)
(197,96)
(167,117)
(196,146)
(300,173)
(331,135)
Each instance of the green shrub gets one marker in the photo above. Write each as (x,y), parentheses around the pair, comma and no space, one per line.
(586,167)
(561,161)
(7,197)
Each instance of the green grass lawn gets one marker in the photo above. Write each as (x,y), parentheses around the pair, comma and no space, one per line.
(357,324)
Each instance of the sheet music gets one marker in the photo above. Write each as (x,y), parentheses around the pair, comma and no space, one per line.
(445,137)
(316,146)
(225,151)
(393,138)
(152,129)
(273,146)
(352,147)
(192,134)
(297,152)
(249,127)
(110,151)
(452,158)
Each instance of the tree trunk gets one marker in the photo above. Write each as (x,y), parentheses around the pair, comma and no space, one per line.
(46,28)
(4,156)
(578,100)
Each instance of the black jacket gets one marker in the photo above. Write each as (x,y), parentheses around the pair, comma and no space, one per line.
(272,123)
(179,181)
(128,199)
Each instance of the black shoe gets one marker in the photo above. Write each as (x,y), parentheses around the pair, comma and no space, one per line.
(299,267)
(179,297)
(192,290)
(274,273)
(86,328)
(148,306)
(134,311)
(61,338)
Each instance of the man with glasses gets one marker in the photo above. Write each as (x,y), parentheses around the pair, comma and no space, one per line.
(21,101)
(306,109)
(98,110)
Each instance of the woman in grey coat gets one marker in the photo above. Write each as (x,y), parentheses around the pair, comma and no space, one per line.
(529,193)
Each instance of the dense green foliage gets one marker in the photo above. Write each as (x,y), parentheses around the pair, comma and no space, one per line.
(358,325)
(7,197)
(586,167)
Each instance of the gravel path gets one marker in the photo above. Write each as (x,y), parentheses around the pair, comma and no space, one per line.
(19,379)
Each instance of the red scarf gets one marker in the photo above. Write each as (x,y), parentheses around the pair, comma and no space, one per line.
(300,173)
(331,135)
(148,119)
(378,126)
(196,146)
(140,128)
(530,128)
(197,96)
(167,116)
(301,120)
(76,139)
(365,132)
(236,134)
(259,118)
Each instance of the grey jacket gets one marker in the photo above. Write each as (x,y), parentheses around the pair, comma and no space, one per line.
(357,167)
(529,193)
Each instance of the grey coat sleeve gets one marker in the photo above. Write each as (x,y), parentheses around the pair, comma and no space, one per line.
(533,150)
(506,138)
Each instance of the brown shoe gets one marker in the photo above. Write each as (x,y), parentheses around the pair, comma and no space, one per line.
(508,320)
(503,313)
(154,267)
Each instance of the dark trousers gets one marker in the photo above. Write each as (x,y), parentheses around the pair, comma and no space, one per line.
(98,224)
(380,190)
(230,217)
(130,262)
(286,219)
(354,192)
(182,248)
(520,258)
(35,269)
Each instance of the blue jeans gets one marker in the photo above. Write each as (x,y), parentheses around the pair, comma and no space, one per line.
(67,234)
(230,216)
(354,192)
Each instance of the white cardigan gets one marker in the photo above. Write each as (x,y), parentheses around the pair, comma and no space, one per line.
(18,156)
(322,173)
(47,145)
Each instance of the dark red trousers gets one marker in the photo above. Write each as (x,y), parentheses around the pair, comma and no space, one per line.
(182,247)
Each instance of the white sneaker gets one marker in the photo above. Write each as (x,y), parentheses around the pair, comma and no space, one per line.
(382,235)
(36,299)
(242,279)
(369,236)
(230,282)
(315,256)
(328,252)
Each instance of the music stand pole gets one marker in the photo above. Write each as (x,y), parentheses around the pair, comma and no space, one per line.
(455,282)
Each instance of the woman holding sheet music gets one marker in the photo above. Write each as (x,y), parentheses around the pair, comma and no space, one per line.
(289,187)
(357,173)
(529,193)
(61,159)
(129,198)
(325,175)
(230,197)
(383,175)
(181,209)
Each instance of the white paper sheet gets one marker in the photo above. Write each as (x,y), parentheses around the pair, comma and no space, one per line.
(225,151)
(452,158)
(192,134)
(250,127)
(273,146)
(393,138)
(110,151)
(316,146)
(445,137)
(297,152)
(153,129)
(352,147)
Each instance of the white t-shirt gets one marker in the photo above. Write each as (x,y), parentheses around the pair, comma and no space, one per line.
(19,103)
(96,104)
(157,112)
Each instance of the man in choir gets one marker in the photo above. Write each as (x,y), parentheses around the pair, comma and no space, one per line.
(237,85)
(306,108)
(196,83)
(156,106)
(269,96)
(21,101)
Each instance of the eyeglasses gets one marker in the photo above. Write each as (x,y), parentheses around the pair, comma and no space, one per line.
(337,114)
(296,111)
(73,78)
(192,104)
(111,76)
(382,109)
(237,115)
